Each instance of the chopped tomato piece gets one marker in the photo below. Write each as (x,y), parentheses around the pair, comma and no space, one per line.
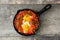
(32,27)
(20,29)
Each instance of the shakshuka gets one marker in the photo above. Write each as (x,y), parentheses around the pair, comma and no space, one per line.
(26,22)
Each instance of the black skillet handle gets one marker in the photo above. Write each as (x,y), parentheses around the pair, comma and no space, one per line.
(48,6)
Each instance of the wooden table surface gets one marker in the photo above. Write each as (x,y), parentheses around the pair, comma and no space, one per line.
(50,22)
(29,1)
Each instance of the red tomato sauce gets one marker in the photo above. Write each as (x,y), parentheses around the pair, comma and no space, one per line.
(26,22)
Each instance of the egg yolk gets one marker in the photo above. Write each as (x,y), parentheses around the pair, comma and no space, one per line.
(26,24)
(25,27)
(26,18)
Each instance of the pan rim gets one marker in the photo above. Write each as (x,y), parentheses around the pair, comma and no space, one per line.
(15,27)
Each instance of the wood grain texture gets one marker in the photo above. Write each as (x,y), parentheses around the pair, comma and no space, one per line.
(29,1)
(50,22)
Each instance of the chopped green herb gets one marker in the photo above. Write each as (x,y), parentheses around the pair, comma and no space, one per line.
(19,18)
